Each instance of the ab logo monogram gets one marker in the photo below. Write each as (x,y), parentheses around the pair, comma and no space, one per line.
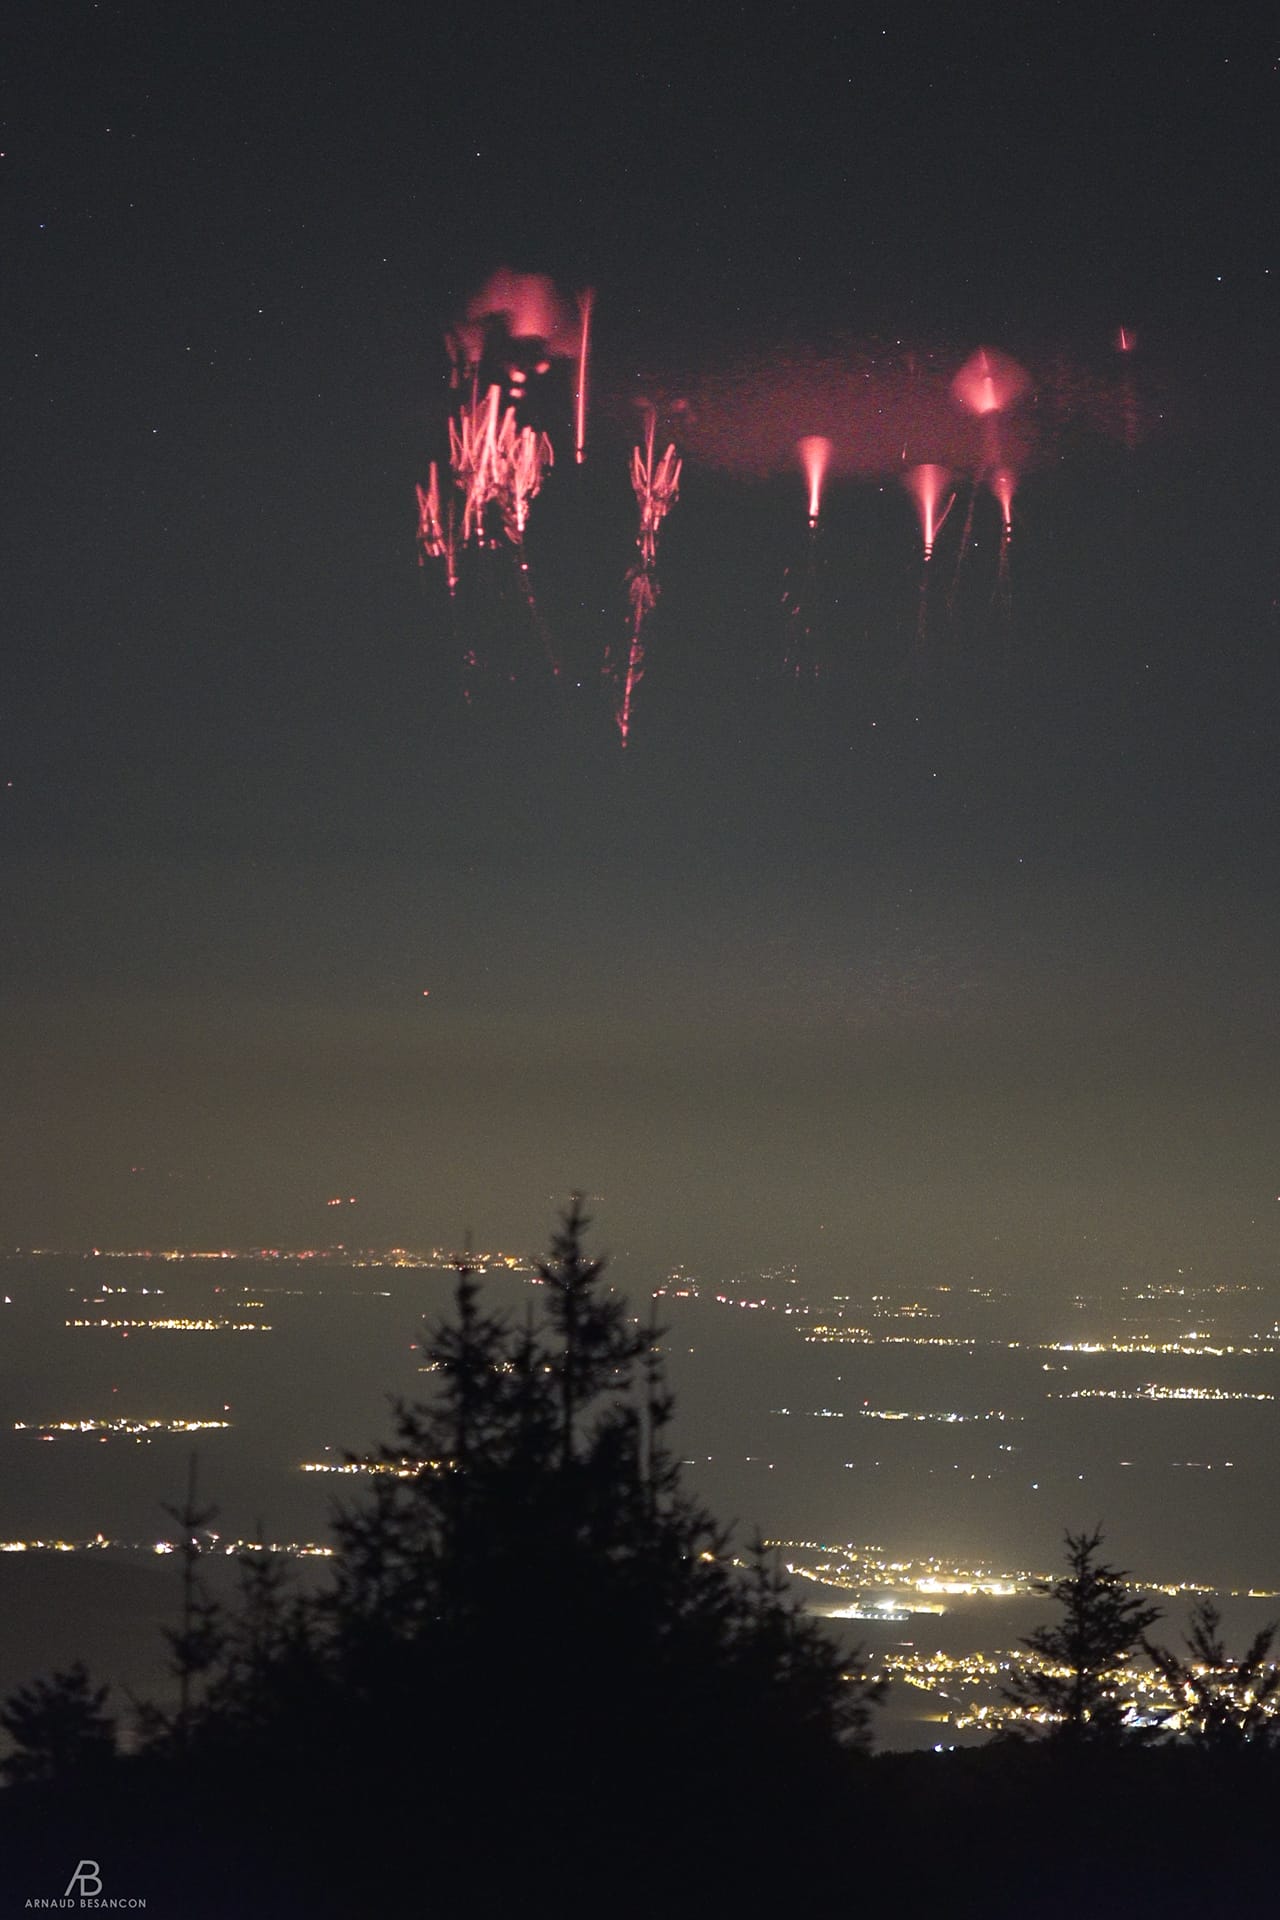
(84,1890)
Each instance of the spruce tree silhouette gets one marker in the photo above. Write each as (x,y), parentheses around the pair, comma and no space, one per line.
(536,1658)
(1225,1704)
(536,1494)
(60,1730)
(1102,1625)
(530,1580)
(198,1642)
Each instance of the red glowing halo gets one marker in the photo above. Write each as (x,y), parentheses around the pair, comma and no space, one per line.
(989,382)
(532,307)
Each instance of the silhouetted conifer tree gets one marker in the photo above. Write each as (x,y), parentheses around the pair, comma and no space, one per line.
(593,1348)
(1102,1625)
(531,1623)
(198,1642)
(60,1731)
(1223,1703)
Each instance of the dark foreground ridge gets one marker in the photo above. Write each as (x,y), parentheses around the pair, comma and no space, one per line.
(538,1682)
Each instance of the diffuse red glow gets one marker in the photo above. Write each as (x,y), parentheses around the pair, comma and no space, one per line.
(987,386)
(879,406)
(870,402)
(530,305)
(521,315)
(989,382)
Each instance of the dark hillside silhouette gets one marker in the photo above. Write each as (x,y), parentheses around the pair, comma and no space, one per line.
(539,1681)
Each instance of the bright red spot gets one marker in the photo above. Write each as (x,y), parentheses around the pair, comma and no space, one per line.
(1126,339)
(1002,484)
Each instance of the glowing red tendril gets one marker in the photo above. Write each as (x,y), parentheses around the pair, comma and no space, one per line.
(1003,484)
(494,461)
(437,532)
(928,483)
(656,487)
(815,455)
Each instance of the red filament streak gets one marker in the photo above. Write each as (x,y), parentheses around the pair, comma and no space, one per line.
(586,300)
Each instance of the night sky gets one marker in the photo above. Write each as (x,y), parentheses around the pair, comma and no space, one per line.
(959,960)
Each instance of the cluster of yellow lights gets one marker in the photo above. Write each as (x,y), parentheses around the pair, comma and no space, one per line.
(993,1589)
(1141,1693)
(947,1419)
(400,1469)
(812,1413)
(435,1257)
(1153,1392)
(439,1259)
(133,1428)
(295,1549)
(176,1326)
(852,1567)
(52,1546)
(1193,1346)
(935,1671)
(823,1335)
